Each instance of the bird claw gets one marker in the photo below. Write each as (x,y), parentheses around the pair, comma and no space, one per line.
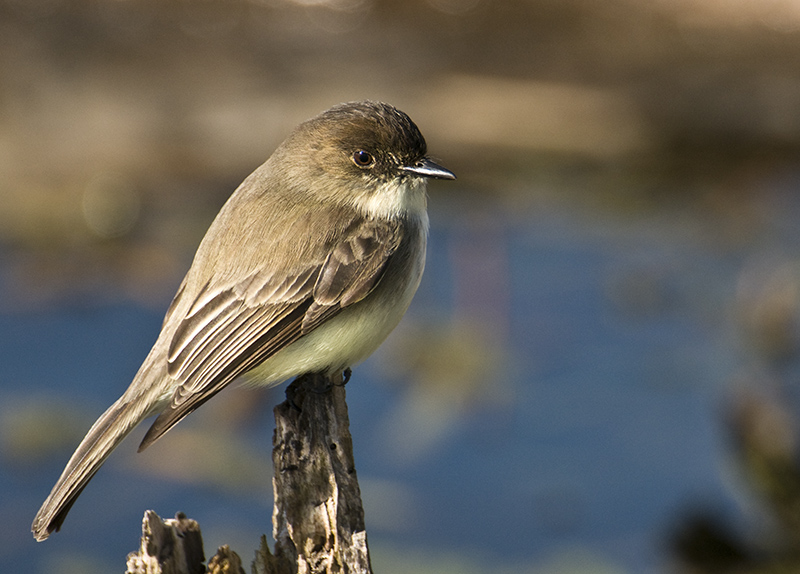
(346,374)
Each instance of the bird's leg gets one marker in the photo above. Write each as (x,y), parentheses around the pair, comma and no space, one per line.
(346,374)
(317,383)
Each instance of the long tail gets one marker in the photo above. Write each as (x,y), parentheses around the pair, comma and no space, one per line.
(104,436)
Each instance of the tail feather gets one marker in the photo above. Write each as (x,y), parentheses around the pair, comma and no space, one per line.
(109,430)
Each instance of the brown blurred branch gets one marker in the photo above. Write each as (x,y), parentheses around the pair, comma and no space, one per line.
(318,520)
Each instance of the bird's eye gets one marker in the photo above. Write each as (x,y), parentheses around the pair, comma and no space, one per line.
(363,158)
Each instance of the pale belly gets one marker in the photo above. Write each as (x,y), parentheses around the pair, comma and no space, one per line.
(346,339)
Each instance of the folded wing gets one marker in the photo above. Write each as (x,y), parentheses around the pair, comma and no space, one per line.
(228,331)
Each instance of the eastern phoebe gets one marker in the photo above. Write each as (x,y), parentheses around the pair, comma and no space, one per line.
(307,267)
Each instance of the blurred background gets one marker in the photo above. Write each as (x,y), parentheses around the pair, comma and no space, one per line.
(600,370)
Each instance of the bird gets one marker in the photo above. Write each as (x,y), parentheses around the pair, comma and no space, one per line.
(308,266)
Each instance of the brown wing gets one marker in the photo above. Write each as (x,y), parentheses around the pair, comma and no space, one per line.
(227,332)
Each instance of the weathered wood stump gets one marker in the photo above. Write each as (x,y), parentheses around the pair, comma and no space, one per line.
(317,520)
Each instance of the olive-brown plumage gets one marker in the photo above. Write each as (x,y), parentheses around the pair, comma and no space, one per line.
(308,266)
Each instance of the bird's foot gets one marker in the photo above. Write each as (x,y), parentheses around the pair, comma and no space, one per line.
(346,374)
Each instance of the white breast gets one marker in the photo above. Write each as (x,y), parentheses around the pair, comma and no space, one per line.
(397,197)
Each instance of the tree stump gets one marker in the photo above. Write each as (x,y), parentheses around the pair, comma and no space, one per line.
(317,520)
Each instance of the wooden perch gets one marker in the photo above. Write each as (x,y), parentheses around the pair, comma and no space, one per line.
(318,519)
(172,546)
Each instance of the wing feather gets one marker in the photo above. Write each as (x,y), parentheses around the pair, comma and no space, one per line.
(198,329)
(227,333)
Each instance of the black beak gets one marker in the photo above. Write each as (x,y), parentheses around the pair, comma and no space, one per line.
(427,168)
